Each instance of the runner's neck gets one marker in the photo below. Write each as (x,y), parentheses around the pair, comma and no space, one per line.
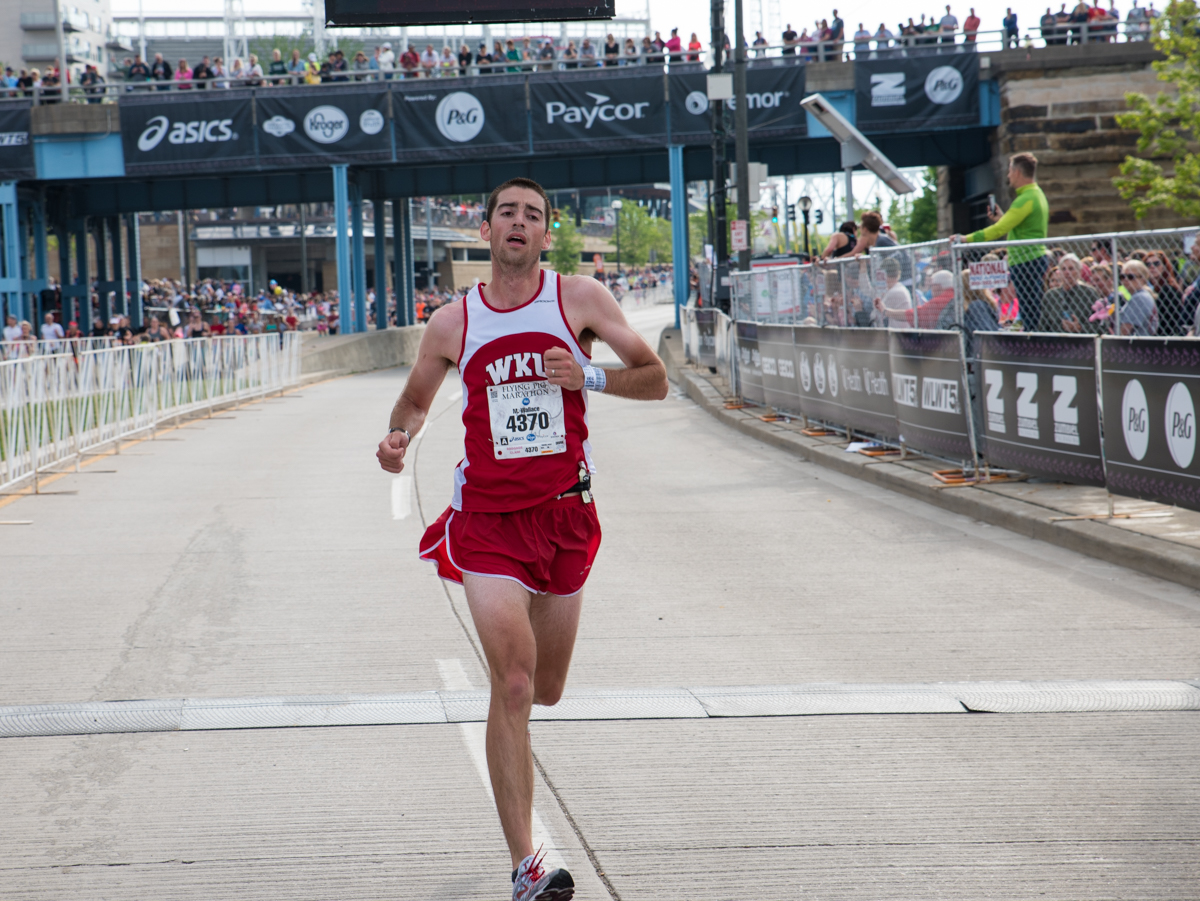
(511,288)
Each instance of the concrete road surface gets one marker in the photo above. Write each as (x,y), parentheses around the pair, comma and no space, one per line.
(263,552)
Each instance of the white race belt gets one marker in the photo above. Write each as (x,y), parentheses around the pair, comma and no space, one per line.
(527,419)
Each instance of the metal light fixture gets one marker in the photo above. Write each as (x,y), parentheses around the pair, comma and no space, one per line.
(616,205)
(805,204)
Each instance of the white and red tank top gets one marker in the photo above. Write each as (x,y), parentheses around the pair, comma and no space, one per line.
(526,439)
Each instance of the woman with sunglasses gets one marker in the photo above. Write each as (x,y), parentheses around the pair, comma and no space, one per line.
(1175,320)
(1139,314)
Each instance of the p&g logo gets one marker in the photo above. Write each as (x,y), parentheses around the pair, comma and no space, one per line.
(1135,419)
(1181,425)
(459,116)
(944,84)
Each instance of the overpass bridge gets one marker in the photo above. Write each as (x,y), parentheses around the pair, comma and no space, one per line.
(83,168)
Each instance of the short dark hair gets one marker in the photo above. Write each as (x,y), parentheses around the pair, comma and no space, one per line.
(1026,163)
(518,182)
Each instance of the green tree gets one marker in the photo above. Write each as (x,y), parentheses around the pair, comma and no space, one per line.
(566,245)
(639,233)
(1168,125)
(920,223)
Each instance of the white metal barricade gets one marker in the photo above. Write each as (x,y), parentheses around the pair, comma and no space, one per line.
(56,406)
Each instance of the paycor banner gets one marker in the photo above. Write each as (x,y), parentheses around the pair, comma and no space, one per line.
(917,93)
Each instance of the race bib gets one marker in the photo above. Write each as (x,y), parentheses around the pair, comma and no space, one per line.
(527,419)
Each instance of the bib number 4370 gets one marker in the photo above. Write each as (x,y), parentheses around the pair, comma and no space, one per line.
(527,419)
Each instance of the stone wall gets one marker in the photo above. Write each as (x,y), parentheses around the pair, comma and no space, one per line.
(1062,107)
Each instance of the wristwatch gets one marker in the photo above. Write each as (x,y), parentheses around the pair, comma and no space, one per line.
(398,429)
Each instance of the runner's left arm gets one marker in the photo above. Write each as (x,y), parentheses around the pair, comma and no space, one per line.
(644,376)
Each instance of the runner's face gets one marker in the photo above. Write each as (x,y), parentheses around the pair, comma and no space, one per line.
(517,231)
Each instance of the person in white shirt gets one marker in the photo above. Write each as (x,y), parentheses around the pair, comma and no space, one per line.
(883,40)
(387,60)
(947,26)
(862,42)
(52,333)
(12,331)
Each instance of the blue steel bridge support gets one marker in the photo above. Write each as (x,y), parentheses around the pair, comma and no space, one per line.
(378,205)
(360,259)
(341,201)
(679,228)
(10,252)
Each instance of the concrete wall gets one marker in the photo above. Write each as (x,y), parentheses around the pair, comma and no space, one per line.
(360,352)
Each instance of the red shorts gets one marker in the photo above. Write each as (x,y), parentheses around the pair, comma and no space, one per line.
(548,549)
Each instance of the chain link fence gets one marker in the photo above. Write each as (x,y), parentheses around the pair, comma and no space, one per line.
(1142,283)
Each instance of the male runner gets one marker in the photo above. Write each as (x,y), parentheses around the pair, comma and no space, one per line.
(521,532)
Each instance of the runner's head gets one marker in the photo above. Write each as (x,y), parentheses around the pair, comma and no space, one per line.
(516,225)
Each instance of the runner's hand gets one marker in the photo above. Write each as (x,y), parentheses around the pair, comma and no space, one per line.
(561,369)
(391,452)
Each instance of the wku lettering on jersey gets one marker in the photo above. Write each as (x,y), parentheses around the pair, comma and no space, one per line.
(521,366)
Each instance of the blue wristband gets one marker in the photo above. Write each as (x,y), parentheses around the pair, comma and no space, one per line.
(594,378)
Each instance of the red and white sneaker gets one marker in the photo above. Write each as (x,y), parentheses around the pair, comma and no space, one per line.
(531,882)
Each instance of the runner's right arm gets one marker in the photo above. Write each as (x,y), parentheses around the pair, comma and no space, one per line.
(438,352)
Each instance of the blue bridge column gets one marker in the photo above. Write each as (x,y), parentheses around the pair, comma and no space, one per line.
(10,251)
(679,228)
(37,215)
(103,287)
(402,255)
(133,234)
(69,303)
(116,226)
(360,259)
(378,205)
(341,200)
(82,288)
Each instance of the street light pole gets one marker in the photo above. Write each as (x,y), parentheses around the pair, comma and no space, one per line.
(720,276)
(740,127)
(805,204)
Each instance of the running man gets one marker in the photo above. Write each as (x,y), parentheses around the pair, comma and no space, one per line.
(521,532)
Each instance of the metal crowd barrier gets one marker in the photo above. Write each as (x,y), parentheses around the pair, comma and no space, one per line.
(19,350)
(922,346)
(56,407)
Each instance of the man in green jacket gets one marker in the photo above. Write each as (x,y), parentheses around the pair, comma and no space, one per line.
(1027,219)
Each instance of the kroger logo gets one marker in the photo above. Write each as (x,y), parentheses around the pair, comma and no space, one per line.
(1135,419)
(279,126)
(326,124)
(459,116)
(944,84)
(601,109)
(197,132)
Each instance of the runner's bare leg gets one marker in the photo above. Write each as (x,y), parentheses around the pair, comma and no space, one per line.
(528,640)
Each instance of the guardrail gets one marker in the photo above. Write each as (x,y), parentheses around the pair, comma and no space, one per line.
(814,49)
(55,408)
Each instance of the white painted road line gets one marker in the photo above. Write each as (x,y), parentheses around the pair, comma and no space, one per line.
(402,496)
(455,678)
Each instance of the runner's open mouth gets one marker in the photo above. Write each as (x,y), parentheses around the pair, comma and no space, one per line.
(516,239)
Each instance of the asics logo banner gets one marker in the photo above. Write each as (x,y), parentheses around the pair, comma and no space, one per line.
(197,132)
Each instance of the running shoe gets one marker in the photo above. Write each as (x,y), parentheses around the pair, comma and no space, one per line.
(531,882)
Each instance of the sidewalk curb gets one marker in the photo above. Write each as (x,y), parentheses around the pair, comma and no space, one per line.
(1153,556)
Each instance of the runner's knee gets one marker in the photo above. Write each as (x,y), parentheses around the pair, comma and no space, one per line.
(516,689)
(547,691)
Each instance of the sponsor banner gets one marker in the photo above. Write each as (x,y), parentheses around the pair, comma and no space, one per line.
(988,275)
(773,95)
(916,93)
(16,145)
(865,383)
(931,400)
(778,363)
(818,374)
(750,376)
(706,337)
(460,117)
(598,109)
(186,131)
(338,124)
(1151,389)
(1038,399)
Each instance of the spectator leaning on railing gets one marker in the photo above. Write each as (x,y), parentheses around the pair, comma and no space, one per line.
(1027,219)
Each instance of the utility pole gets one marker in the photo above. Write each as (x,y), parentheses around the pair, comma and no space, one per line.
(720,285)
(740,126)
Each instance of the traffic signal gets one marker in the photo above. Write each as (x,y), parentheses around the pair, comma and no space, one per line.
(555,221)
(791,214)
(775,214)
(820,216)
